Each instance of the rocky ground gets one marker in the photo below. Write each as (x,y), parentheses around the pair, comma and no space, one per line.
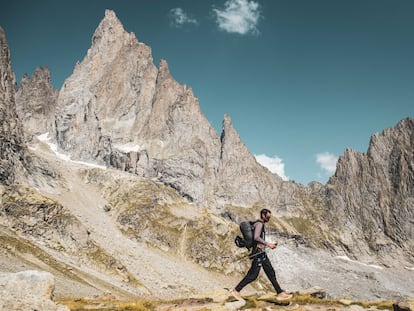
(38,287)
(301,267)
(309,300)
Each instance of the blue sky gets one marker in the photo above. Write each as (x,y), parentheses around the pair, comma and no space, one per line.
(302,80)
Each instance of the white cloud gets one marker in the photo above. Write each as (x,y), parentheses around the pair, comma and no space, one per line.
(179,18)
(238,16)
(275,164)
(327,162)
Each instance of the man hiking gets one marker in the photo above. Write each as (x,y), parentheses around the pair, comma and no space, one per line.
(260,259)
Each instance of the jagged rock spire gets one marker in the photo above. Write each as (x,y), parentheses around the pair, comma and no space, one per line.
(163,72)
(239,172)
(110,36)
(375,191)
(230,138)
(112,88)
(36,102)
(11,133)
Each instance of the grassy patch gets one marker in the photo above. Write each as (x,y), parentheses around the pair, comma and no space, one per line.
(382,305)
(205,304)
(20,248)
(107,305)
(311,300)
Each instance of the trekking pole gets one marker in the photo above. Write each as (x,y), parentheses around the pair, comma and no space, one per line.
(250,256)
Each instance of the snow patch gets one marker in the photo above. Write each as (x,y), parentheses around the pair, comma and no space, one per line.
(129,147)
(346,258)
(46,139)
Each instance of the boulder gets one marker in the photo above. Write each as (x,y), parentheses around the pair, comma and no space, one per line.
(28,290)
(404,305)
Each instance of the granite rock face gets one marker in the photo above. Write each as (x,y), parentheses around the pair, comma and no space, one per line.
(36,102)
(372,195)
(17,163)
(241,180)
(11,132)
(101,105)
(181,145)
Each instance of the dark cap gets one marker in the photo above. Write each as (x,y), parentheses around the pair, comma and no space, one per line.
(265,211)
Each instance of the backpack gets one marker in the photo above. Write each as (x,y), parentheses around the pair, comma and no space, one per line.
(247,230)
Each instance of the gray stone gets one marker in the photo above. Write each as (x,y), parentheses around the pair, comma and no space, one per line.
(404,305)
(27,291)
(36,102)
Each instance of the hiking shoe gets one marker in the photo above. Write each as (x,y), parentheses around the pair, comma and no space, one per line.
(283,296)
(236,294)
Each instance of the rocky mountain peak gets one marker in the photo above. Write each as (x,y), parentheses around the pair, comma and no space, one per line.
(163,71)
(36,102)
(375,191)
(398,137)
(108,98)
(231,139)
(110,35)
(227,123)
(11,132)
(243,181)
(7,75)
(40,74)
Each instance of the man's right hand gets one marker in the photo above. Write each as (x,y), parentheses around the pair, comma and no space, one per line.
(272,245)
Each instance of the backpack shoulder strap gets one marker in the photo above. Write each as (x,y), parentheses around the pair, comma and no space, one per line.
(263,233)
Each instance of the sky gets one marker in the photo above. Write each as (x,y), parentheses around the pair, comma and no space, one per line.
(302,80)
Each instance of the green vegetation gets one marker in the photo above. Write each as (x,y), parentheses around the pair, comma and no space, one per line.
(151,212)
(107,305)
(303,226)
(107,262)
(25,196)
(382,305)
(302,300)
(19,203)
(20,248)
